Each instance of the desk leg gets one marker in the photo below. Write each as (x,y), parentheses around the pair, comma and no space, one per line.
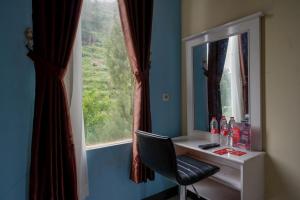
(182,192)
(253,179)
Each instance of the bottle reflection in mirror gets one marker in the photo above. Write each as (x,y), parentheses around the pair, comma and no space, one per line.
(214,130)
(223,131)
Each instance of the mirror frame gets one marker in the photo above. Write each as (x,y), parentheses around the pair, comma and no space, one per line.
(250,24)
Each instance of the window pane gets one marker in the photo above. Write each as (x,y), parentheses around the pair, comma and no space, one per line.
(107,77)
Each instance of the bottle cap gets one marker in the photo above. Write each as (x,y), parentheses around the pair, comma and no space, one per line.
(213,117)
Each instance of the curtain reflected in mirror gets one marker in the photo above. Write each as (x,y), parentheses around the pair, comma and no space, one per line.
(220,78)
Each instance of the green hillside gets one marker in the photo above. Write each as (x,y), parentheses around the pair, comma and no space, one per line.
(107,77)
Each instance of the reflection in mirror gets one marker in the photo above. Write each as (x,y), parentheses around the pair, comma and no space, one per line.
(220,78)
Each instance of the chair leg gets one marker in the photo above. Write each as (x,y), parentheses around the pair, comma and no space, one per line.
(196,192)
(182,192)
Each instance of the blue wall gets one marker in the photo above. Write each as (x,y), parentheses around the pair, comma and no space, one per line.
(165,74)
(108,167)
(16,100)
(200,88)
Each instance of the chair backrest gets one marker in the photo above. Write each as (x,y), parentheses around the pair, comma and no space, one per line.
(157,152)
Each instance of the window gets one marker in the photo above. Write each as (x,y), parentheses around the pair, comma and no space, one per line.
(107,78)
(231,83)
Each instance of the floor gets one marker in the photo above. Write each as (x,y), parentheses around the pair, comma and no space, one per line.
(172,194)
(176,198)
(190,197)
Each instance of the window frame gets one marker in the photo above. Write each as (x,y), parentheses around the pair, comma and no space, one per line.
(70,87)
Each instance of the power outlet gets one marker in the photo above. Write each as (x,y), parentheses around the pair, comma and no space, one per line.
(165,97)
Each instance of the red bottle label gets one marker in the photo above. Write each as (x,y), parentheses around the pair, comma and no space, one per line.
(224,132)
(214,131)
(236,135)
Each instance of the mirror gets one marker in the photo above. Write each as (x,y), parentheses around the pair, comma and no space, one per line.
(223,76)
(220,80)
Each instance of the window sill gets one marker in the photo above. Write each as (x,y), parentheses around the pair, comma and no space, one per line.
(109,144)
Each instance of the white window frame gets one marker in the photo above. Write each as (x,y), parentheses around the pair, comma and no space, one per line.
(71,85)
(250,24)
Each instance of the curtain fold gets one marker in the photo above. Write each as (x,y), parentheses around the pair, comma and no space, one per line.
(53,168)
(77,117)
(216,60)
(243,55)
(232,62)
(136,20)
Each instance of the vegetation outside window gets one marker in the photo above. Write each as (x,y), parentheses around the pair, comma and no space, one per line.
(107,78)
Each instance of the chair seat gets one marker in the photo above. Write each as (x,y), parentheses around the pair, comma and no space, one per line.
(191,170)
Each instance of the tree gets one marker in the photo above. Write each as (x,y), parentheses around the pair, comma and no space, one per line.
(121,83)
(107,78)
(97,19)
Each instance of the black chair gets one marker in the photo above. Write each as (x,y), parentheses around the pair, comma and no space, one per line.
(158,153)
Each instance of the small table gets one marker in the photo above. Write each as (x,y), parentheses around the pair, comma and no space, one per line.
(240,177)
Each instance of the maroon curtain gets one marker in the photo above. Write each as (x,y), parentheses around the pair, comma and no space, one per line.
(136,18)
(243,54)
(216,60)
(53,169)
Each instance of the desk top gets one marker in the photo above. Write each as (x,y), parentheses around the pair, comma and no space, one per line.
(192,142)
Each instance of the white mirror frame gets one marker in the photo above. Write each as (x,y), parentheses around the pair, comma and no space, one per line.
(250,24)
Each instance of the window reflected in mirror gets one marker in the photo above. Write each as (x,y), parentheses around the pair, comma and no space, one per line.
(220,78)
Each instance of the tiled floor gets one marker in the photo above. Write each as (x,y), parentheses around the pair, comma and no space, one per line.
(176,198)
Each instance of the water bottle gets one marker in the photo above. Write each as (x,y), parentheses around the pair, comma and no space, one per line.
(223,131)
(214,130)
(236,135)
(231,125)
(245,136)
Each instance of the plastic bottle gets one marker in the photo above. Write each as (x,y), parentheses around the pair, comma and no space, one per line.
(214,130)
(236,135)
(223,131)
(231,125)
(245,136)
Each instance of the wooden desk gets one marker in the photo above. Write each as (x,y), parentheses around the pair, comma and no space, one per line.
(240,177)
